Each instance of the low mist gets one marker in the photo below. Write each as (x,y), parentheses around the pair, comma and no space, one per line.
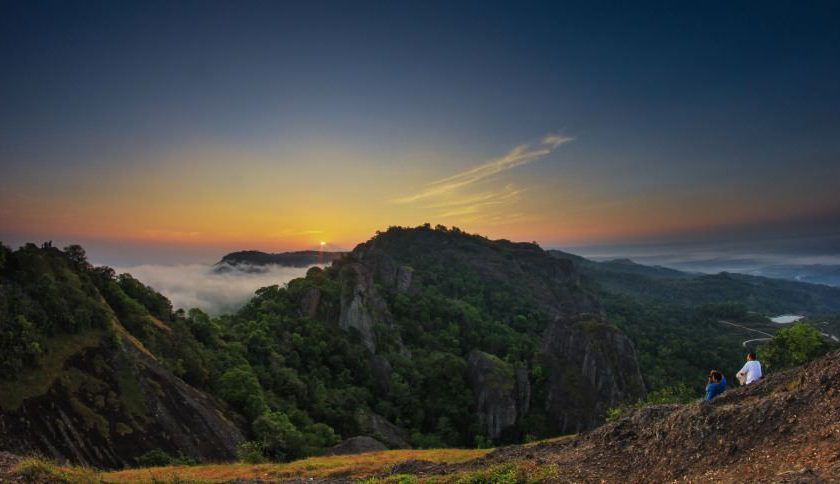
(202,286)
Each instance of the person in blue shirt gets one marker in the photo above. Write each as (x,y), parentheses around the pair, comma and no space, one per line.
(716,385)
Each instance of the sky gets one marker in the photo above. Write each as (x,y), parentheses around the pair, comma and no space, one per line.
(177,131)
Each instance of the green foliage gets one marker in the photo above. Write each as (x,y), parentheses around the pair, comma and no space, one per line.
(279,436)
(44,292)
(251,452)
(680,393)
(159,458)
(300,381)
(793,346)
(240,387)
(678,345)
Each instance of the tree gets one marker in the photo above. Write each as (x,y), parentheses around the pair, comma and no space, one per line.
(240,387)
(793,346)
(76,254)
(279,436)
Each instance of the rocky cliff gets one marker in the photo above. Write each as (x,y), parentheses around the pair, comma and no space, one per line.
(589,364)
(107,403)
(502,392)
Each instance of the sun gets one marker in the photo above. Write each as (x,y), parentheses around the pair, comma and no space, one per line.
(323,244)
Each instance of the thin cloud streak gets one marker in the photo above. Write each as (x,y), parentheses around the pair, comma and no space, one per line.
(476,204)
(521,155)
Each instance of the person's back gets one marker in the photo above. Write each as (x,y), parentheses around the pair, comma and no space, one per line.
(716,385)
(751,372)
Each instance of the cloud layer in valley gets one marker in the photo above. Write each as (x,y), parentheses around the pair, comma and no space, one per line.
(198,285)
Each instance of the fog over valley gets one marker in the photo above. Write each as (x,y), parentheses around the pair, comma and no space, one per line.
(203,286)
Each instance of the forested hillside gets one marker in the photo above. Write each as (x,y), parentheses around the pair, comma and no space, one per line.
(420,337)
(77,384)
(674,317)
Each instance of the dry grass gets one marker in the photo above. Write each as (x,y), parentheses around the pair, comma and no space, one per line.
(35,469)
(350,466)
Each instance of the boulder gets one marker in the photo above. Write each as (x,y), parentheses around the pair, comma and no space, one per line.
(378,426)
(357,445)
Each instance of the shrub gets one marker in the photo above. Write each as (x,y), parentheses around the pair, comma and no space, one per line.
(251,452)
(793,346)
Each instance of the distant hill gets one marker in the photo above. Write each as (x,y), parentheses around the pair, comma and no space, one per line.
(256,259)
(813,273)
(663,285)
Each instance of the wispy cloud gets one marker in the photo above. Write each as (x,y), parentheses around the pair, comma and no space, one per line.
(475,204)
(521,155)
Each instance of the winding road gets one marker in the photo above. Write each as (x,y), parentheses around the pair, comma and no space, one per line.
(744,344)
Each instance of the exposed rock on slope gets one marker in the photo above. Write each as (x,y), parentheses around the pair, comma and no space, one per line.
(502,393)
(608,374)
(591,364)
(112,402)
(361,305)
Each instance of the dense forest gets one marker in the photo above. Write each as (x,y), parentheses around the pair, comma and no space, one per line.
(302,383)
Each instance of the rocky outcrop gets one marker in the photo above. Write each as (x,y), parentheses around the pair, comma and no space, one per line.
(361,305)
(309,302)
(405,275)
(357,445)
(377,426)
(502,393)
(592,367)
(111,403)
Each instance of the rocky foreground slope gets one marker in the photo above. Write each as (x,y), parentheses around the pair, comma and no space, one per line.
(783,429)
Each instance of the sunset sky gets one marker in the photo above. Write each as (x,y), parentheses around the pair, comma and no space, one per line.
(147,129)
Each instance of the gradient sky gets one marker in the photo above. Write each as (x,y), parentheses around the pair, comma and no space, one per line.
(151,130)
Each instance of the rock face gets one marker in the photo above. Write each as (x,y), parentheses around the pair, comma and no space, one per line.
(309,302)
(361,304)
(111,403)
(502,393)
(357,445)
(404,277)
(607,372)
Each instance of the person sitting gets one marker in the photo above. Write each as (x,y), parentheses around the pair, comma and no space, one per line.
(716,385)
(751,372)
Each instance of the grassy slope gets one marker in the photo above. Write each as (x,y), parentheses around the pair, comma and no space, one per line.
(344,466)
(355,467)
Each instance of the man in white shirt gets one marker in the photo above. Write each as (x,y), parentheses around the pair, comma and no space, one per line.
(751,372)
